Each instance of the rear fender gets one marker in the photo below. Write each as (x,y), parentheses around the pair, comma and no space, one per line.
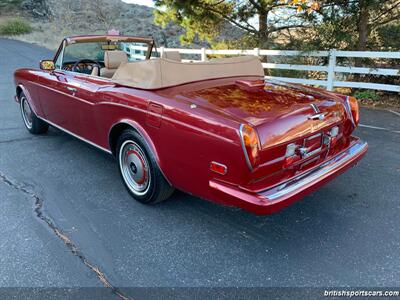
(137,127)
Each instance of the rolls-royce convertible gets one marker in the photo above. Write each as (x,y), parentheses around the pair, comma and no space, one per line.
(215,129)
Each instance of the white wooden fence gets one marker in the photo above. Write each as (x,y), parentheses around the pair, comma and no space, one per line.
(331,68)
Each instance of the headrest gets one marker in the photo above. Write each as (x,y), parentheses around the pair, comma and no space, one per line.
(112,59)
(172,55)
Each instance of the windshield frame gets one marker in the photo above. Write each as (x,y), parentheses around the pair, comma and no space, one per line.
(97,38)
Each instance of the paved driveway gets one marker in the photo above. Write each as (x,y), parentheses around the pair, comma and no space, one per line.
(66,219)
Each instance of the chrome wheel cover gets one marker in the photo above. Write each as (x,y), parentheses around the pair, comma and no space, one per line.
(26,113)
(134,168)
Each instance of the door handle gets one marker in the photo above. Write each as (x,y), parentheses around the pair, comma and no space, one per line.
(319,116)
(71,89)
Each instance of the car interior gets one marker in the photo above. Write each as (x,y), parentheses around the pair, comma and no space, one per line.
(135,69)
(114,58)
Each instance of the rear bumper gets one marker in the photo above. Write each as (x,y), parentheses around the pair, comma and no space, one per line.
(274,199)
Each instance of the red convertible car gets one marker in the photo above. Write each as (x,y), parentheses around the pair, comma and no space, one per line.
(213,129)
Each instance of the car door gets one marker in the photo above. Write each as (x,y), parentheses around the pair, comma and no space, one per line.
(91,122)
(60,100)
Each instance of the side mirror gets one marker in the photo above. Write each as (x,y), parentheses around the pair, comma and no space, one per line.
(47,65)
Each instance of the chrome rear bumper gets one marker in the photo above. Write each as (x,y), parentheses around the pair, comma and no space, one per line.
(318,173)
(274,199)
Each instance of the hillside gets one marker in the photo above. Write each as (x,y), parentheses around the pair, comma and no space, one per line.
(53,19)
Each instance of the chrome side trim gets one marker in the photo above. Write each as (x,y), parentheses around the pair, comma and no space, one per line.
(312,175)
(75,135)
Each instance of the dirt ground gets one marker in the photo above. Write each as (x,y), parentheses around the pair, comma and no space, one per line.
(387,102)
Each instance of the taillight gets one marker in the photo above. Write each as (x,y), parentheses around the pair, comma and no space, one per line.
(250,144)
(353,105)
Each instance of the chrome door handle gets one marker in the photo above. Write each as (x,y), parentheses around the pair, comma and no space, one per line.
(71,89)
(319,116)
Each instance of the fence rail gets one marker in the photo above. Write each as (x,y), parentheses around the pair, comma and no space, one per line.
(331,68)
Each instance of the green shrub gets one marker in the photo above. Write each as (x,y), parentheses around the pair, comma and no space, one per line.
(15,27)
(368,94)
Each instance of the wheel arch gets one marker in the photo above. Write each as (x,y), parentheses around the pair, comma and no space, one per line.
(18,91)
(22,89)
(118,127)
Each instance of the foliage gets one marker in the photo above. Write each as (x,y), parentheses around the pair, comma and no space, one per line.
(204,19)
(244,41)
(302,24)
(386,34)
(15,27)
(366,94)
(294,24)
(352,25)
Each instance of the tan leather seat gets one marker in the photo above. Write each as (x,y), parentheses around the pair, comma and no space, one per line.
(95,71)
(112,60)
(171,55)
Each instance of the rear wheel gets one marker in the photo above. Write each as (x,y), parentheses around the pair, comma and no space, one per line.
(31,121)
(139,170)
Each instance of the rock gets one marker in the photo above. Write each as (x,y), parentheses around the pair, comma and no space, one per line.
(37,8)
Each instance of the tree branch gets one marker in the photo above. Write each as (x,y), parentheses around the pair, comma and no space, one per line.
(232,20)
(256,5)
(385,12)
(393,18)
(288,27)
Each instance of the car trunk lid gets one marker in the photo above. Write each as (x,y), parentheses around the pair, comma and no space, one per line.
(280,112)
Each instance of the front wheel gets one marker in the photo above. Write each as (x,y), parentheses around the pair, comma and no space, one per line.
(31,121)
(139,170)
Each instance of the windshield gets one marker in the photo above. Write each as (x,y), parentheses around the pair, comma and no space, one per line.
(95,50)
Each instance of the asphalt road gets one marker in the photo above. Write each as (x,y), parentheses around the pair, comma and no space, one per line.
(67,221)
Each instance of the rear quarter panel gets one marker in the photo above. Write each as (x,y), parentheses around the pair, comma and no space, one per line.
(186,141)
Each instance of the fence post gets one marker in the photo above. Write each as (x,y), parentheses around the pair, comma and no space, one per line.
(203,54)
(257,51)
(331,69)
(161,51)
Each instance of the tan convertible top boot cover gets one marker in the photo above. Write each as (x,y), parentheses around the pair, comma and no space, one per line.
(160,72)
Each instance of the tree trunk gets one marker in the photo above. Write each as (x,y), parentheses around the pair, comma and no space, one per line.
(362,28)
(363,32)
(363,25)
(262,30)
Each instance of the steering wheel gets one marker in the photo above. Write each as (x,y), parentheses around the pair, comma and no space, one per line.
(85,70)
